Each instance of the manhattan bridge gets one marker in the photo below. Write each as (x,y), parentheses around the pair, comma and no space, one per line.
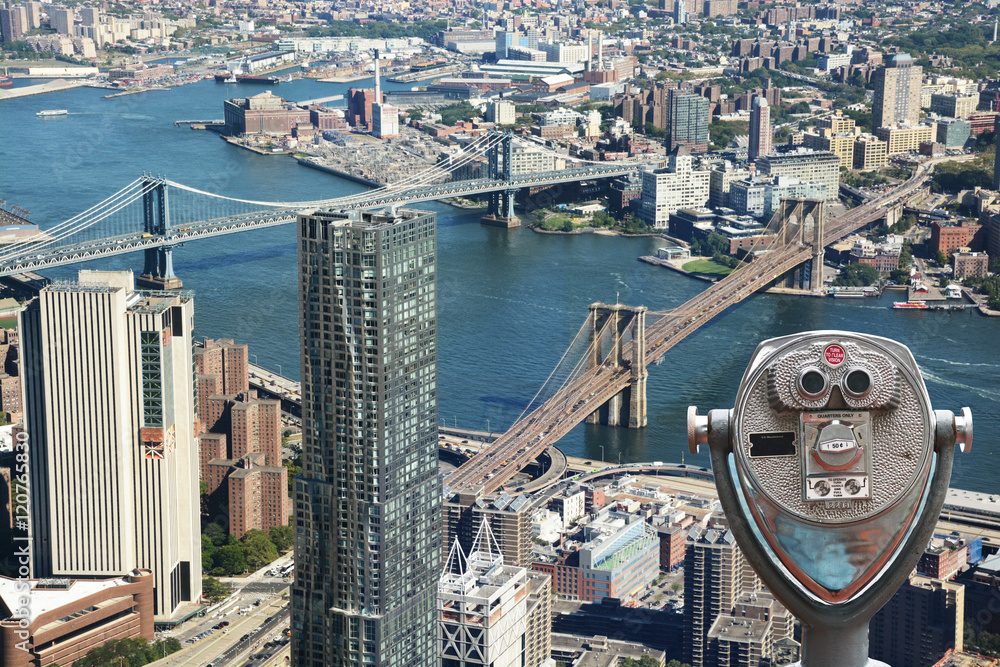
(602,375)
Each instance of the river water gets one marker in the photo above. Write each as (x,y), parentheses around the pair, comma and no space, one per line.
(510,301)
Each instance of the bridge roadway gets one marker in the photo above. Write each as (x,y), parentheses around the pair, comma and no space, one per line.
(528,437)
(42,258)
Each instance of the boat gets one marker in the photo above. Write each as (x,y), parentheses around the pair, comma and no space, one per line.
(6,82)
(288,79)
(910,305)
(46,113)
(245,78)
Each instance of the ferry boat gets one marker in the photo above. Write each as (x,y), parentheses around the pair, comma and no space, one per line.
(46,113)
(910,305)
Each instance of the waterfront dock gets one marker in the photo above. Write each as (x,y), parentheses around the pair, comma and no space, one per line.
(38,89)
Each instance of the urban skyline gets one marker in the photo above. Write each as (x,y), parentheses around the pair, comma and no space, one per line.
(705,157)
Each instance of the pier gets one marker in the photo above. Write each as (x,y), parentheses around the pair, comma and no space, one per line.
(38,89)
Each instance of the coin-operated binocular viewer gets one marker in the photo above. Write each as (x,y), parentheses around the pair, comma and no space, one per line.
(832,469)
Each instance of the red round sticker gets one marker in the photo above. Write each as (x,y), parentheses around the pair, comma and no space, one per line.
(834,355)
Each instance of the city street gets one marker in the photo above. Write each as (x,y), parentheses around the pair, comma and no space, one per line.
(259,608)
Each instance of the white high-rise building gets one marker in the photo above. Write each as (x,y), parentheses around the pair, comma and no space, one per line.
(501,112)
(109,410)
(491,614)
(385,121)
(666,190)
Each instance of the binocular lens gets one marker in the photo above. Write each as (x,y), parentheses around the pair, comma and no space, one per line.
(858,382)
(812,383)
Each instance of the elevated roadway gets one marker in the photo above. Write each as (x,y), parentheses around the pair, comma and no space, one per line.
(526,439)
(184,231)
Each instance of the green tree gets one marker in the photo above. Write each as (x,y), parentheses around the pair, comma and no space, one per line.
(676,587)
(213,590)
(415,114)
(294,470)
(721,132)
(230,559)
(207,552)
(857,275)
(281,536)
(943,281)
(941,258)
(216,534)
(258,549)
(134,652)
(900,276)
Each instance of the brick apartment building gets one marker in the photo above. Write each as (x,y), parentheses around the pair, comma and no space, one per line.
(240,442)
(948,238)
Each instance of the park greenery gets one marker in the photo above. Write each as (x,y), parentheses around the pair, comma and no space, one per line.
(224,555)
(721,132)
(982,642)
(713,244)
(709,267)
(378,29)
(561,222)
(648,661)
(969,45)
(134,652)
(453,113)
(857,275)
(213,590)
(990,286)
(957,176)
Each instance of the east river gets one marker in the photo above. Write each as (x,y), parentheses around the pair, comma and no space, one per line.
(509,301)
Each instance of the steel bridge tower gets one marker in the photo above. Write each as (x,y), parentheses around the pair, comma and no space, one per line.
(158,269)
(501,206)
(627,408)
(802,221)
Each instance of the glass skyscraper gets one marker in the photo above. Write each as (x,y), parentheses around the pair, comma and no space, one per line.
(368,501)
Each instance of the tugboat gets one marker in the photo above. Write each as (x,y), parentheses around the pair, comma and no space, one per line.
(6,81)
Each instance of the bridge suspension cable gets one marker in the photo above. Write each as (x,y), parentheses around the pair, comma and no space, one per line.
(100,211)
(471,152)
(574,371)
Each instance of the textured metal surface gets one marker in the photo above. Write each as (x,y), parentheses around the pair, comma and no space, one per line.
(901,437)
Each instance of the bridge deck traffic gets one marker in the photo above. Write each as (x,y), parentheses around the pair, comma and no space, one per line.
(490,471)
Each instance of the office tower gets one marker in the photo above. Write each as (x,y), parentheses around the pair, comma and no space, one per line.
(687,121)
(110,413)
(368,501)
(924,619)
(897,92)
(506,41)
(715,574)
(516,630)
(385,117)
(680,12)
(760,129)
(11,27)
